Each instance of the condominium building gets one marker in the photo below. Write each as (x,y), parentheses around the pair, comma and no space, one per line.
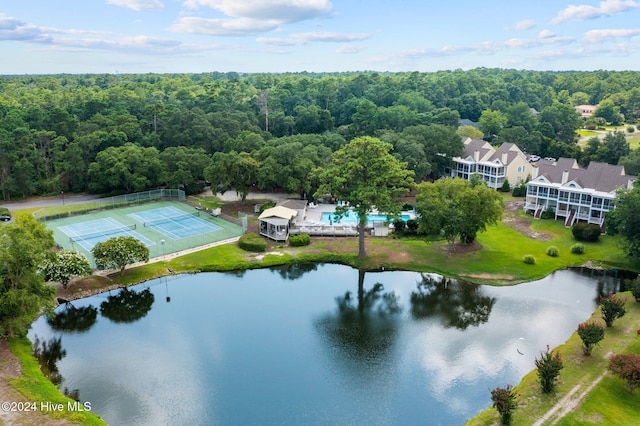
(493,166)
(575,193)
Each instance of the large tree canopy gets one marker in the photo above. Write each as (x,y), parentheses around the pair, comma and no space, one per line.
(118,252)
(456,208)
(23,293)
(365,175)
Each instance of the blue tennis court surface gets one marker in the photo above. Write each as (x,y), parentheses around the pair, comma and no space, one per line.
(88,234)
(174,223)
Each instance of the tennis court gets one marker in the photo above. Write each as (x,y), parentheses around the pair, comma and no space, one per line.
(174,223)
(165,227)
(88,234)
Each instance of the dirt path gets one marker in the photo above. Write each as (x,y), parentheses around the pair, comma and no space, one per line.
(568,403)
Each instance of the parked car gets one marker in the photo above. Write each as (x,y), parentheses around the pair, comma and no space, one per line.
(5,218)
(534,158)
(553,160)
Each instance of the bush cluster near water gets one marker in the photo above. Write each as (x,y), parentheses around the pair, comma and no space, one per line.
(588,232)
(252,242)
(299,240)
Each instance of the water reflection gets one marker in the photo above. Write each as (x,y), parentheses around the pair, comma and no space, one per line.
(72,319)
(128,305)
(48,353)
(295,271)
(363,328)
(458,304)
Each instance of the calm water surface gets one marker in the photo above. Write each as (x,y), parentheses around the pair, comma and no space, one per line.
(318,344)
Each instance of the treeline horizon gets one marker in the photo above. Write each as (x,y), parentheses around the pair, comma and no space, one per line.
(117,133)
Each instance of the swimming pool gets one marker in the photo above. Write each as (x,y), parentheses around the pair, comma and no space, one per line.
(351,218)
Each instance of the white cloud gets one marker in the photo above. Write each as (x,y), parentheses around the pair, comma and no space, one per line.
(14,29)
(584,12)
(138,4)
(349,49)
(526,24)
(597,36)
(222,27)
(284,11)
(306,38)
(546,34)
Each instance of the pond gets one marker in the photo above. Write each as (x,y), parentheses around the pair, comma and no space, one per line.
(312,344)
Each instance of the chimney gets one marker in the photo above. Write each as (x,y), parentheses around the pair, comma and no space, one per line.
(565,176)
(505,157)
(476,155)
(534,172)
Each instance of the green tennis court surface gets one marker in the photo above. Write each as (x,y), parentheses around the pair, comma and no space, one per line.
(164,227)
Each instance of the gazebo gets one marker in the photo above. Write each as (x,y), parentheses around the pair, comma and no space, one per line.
(275,222)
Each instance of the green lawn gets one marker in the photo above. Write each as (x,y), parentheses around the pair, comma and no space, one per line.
(634,143)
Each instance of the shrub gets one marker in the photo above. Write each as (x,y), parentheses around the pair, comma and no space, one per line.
(552,251)
(299,240)
(407,207)
(612,308)
(528,259)
(588,232)
(591,334)
(577,248)
(252,242)
(267,206)
(412,226)
(548,213)
(4,211)
(631,129)
(399,225)
(519,190)
(627,367)
(506,186)
(548,366)
(634,286)
(504,401)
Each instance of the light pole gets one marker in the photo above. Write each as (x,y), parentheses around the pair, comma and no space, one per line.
(162,244)
(62,195)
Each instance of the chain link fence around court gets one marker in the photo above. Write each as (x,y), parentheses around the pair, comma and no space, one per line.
(159,243)
(115,202)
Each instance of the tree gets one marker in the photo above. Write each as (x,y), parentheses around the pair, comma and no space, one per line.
(611,308)
(491,122)
(232,171)
(23,292)
(469,131)
(627,220)
(549,366)
(64,265)
(118,252)
(631,162)
(627,367)
(504,401)
(591,334)
(364,175)
(456,208)
(564,120)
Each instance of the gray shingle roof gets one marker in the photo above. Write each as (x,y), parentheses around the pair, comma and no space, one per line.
(602,177)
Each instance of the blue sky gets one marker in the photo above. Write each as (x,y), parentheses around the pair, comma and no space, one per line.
(140,36)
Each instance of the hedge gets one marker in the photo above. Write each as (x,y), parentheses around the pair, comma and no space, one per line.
(252,242)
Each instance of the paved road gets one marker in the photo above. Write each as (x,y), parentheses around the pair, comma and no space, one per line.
(48,201)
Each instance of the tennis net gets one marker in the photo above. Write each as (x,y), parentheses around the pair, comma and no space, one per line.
(112,231)
(176,218)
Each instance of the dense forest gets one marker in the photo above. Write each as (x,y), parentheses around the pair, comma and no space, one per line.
(126,133)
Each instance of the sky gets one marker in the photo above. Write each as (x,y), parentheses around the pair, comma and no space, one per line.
(193,36)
